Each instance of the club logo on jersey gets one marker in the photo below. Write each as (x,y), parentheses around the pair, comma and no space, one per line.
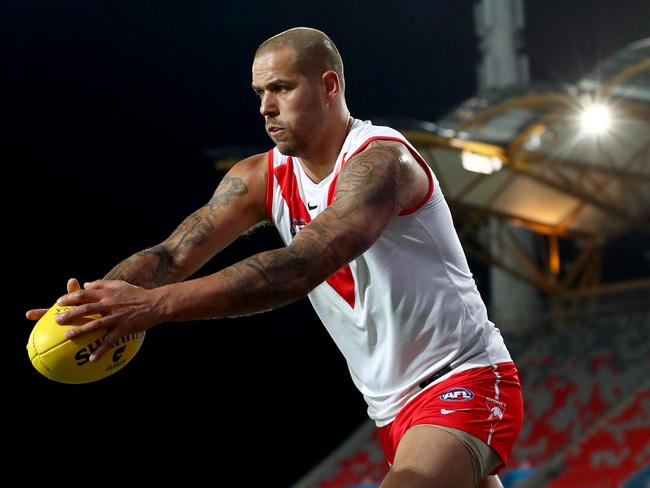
(296,225)
(457,394)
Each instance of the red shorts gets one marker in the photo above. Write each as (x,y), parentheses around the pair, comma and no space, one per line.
(484,402)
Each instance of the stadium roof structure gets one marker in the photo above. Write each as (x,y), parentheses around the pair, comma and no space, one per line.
(570,161)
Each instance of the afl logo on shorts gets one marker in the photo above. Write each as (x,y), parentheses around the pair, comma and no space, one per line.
(457,395)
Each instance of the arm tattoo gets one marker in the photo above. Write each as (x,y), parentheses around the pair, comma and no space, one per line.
(193,231)
(372,178)
(368,190)
(158,265)
(227,190)
(149,268)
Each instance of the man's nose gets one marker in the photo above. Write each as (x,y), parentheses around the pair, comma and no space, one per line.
(268,105)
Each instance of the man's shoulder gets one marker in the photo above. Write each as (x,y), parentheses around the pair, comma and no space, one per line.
(365,134)
(252,170)
(365,130)
(255,160)
(256,163)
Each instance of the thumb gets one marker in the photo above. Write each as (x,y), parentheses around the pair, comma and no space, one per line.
(35,313)
(73,285)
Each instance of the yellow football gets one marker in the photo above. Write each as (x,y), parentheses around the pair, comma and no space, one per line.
(68,360)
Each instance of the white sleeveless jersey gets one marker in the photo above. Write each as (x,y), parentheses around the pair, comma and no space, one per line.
(408,306)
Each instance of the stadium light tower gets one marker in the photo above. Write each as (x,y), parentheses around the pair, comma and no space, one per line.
(499,24)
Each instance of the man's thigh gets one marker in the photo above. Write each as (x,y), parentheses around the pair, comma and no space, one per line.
(430,457)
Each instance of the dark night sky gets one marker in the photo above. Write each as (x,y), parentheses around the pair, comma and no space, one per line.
(108,107)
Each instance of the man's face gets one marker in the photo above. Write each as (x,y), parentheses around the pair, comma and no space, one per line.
(290,102)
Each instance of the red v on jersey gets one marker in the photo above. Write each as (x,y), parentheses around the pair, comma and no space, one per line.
(342,281)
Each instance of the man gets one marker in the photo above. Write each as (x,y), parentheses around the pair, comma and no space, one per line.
(370,240)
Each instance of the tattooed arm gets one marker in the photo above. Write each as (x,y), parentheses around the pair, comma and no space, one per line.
(373,187)
(237,204)
(371,190)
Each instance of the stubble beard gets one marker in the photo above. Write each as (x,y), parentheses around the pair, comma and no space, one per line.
(292,147)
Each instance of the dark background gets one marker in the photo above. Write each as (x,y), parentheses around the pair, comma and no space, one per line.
(108,110)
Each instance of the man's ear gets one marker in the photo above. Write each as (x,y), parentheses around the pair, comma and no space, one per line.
(331,84)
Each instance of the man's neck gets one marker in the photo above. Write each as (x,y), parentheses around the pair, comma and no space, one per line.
(320,163)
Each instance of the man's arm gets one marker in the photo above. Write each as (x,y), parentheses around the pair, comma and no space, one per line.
(237,204)
(372,189)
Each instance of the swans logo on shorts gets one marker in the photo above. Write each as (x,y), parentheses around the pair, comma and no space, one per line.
(457,394)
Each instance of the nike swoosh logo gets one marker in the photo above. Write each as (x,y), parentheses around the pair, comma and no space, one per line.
(310,207)
(444,411)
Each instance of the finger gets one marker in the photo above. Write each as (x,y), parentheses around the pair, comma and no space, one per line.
(96,285)
(101,350)
(77,297)
(73,285)
(90,326)
(79,315)
(109,342)
(35,313)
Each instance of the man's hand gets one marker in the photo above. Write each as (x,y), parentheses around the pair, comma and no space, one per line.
(124,309)
(37,313)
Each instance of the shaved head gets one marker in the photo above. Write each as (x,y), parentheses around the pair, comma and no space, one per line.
(315,52)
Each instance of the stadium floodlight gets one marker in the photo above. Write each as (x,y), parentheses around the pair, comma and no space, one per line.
(479,163)
(595,118)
